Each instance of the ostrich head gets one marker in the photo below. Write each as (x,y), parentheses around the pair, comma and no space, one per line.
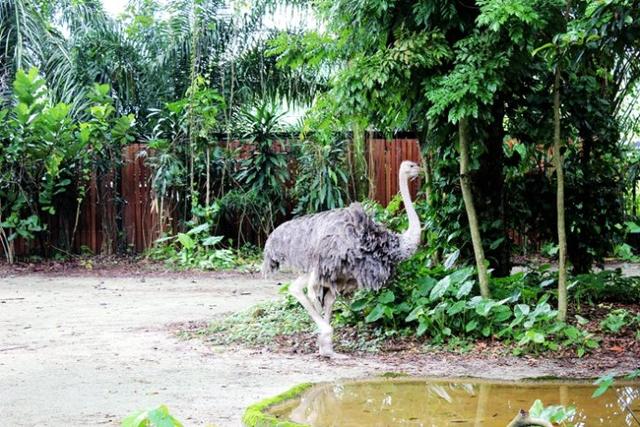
(409,170)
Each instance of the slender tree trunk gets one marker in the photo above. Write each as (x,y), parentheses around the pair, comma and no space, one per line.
(208,186)
(359,167)
(192,126)
(467,195)
(75,222)
(161,216)
(562,236)
(633,198)
(7,246)
(428,185)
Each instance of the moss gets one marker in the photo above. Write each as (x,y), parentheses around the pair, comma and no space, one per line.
(394,374)
(256,415)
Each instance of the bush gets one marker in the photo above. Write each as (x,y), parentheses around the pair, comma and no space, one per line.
(194,249)
(443,305)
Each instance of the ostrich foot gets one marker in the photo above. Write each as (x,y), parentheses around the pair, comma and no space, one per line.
(336,356)
(325,346)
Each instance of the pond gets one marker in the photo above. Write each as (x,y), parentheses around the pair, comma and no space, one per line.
(422,402)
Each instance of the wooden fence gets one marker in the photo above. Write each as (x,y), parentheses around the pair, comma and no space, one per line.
(384,159)
(97,220)
(98,223)
(139,218)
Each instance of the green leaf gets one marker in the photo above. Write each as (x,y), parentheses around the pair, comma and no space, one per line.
(541,48)
(484,306)
(451,259)
(186,241)
(415,313)
(376,314)
(386,297)
(471,325)
(496,243)
(212,240)
(456,308)
(440,288)
(422,328)
(633,374)
(359,304)
(547,282)
(521,310)
(465,289)
(535,336)
(199,229)
(425,284)
(571,332)
(160,417)
(536,409)
(632,227)
(603,384)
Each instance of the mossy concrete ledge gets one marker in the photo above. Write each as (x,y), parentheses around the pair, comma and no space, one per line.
(256,415)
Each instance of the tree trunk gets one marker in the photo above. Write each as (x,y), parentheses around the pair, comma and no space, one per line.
(633,198)
(358,162)
(428,184)
(562,237)
(208,184)
(483,277)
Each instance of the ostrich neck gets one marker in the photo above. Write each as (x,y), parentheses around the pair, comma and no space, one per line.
(410,239)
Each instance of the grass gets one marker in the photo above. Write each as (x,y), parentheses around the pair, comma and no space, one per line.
(260,324)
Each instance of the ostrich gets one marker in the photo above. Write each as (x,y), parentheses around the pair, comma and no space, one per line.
(339,251)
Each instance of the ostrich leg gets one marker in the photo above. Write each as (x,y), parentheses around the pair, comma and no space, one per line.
(325,339)
(297,290)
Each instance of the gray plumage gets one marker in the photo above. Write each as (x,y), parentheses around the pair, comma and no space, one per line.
(342,246)
(339,251)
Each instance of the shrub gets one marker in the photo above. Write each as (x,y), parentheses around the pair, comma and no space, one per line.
(442,305)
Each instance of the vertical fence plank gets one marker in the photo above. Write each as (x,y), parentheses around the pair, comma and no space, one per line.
(385,157)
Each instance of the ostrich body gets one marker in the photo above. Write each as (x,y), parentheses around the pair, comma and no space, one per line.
(339,251)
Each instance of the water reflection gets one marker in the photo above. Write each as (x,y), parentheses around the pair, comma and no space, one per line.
(463,403)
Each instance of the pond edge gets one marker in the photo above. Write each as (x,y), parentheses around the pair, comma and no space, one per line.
(256,415)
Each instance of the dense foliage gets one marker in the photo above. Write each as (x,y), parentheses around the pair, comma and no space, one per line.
(422,66)
(48,156)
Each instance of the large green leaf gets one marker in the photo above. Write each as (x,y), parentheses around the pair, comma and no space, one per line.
(186,241)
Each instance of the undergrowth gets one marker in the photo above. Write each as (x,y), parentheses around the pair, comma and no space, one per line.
(198,249)
(260,324)
(440,308)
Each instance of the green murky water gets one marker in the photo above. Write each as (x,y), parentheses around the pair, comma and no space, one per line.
(413,402)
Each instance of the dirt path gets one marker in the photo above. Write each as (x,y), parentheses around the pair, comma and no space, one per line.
(89,350)
(81,351)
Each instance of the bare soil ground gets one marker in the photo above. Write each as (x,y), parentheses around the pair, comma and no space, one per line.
(87,348)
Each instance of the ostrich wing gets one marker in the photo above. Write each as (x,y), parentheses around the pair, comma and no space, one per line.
(371,260)
(340,245)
